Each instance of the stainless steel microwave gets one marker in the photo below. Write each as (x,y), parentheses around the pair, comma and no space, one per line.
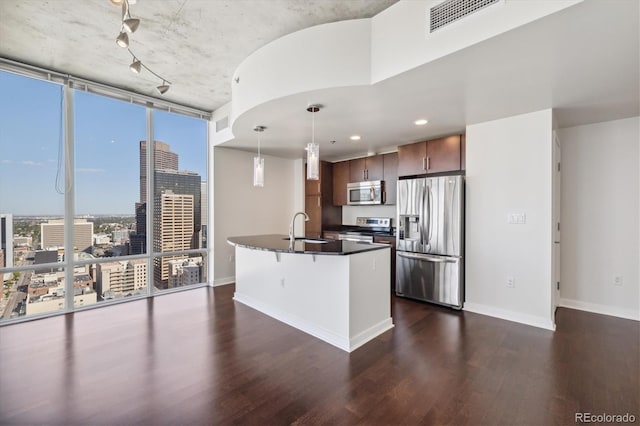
(364,193)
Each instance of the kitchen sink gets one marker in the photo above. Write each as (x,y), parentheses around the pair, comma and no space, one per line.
(309,240)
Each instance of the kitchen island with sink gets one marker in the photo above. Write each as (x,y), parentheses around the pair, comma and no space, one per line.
(337,291)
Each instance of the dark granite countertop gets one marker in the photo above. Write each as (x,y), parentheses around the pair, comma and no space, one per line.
(280,243)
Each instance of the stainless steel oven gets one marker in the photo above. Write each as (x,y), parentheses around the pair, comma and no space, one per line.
(364,193)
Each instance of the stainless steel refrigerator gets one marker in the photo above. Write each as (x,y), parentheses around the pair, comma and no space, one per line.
(430,239)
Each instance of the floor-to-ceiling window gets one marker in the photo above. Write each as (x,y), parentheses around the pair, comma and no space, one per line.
(32,186)
(107,135)
(179,207)
(76,176)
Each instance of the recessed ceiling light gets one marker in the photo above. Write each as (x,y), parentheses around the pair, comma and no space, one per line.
(420,122)
(355,138)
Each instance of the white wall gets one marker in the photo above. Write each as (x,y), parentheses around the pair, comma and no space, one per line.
(600,217)
(336,54)
(242,209)
(509,170)
(400,37)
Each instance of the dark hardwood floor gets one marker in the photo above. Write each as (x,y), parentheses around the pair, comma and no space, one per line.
(196,357)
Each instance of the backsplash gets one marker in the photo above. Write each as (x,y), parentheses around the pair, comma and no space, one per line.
(350,213)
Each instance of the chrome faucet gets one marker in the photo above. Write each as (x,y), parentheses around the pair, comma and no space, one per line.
(293,221)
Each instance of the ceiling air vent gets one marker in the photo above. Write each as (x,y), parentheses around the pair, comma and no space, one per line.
(452,10)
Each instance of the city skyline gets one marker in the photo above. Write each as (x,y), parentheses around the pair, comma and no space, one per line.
(107,136)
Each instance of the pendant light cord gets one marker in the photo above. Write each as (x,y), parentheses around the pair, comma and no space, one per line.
(313,127)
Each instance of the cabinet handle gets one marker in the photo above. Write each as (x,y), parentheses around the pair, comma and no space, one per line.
(318,201)
(363,178)
(428,163)
(424,161)
(318,187)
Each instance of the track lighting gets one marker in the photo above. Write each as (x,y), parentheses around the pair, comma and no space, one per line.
(123,39)
(131,24)
(163,87)
(136,66)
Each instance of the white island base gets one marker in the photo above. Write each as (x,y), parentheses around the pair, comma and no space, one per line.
(341,299)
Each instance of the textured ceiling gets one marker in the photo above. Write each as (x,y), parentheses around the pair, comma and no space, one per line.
(195,44)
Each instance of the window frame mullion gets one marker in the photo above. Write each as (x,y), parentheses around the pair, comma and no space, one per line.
(69,194)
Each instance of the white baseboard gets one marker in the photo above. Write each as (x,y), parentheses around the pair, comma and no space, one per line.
(339,341)
(597,308)
(361,338)
(504,314)
(336,340)
(223,281)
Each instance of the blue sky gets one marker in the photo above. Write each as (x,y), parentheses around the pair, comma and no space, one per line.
(107,135)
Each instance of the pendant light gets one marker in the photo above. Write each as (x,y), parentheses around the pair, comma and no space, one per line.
(258,162)
(313,149)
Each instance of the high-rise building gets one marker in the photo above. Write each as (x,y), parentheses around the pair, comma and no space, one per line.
(172,230)
(118,279)
(6,239)
(138,240)
(52,234)
(181,182)
(204,211)
(178,182)
(163,159)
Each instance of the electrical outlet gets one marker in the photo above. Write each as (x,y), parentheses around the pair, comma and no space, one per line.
(282,282)
(511,282)
(617,281)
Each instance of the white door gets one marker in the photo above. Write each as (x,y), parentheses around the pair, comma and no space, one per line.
(556,221)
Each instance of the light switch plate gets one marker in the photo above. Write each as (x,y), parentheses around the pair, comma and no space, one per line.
(516,218)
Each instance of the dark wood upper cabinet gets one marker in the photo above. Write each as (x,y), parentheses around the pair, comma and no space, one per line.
(367,168)
(375,167)
(312,187)
(412,159)
(434,156)
(390,176)
(340,181)
(443,155)
(319,202)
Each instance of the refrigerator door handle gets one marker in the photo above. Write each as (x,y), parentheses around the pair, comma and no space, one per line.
(430,212)
(434,259)
(420,217)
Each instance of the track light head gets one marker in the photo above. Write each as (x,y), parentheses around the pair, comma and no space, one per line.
(136,66)
(131,24)
(163,88)
(123,39)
